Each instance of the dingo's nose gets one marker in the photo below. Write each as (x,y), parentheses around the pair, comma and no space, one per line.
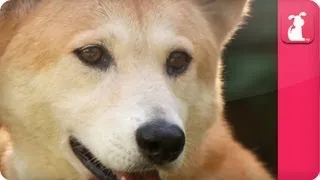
(160,142)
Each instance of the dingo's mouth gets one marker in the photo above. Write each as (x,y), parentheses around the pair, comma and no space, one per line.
(100,171)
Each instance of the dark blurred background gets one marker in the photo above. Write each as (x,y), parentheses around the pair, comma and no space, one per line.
(251,82)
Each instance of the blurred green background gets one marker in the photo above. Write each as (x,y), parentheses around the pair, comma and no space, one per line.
(251,82)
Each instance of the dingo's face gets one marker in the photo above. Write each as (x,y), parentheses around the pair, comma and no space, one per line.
(115,86)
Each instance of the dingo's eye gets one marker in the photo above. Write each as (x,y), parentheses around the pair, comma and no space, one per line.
(94,55)
(177,62)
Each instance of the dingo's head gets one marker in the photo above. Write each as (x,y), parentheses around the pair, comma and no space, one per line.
(115,86)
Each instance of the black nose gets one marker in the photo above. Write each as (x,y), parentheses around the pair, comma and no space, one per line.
(160,141)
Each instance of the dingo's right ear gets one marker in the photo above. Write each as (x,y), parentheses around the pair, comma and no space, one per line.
(11,13)
(291,17)
(18,7)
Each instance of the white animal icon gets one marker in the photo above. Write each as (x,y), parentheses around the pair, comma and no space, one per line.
(295,30)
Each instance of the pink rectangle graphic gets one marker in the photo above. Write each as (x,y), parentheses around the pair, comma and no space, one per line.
(298,94)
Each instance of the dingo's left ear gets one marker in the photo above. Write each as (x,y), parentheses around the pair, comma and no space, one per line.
(224,16)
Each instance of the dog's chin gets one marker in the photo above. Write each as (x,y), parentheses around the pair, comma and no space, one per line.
(100,172)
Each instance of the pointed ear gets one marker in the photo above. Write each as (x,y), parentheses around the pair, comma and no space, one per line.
(11,14)
(224,16)
(18,7)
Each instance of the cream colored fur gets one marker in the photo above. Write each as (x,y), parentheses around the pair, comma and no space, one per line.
(47,94)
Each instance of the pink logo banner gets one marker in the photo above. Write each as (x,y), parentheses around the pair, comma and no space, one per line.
(298,95)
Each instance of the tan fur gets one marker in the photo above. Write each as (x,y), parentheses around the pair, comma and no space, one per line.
(47,94)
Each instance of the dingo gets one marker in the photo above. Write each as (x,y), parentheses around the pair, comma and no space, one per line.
(118,89)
